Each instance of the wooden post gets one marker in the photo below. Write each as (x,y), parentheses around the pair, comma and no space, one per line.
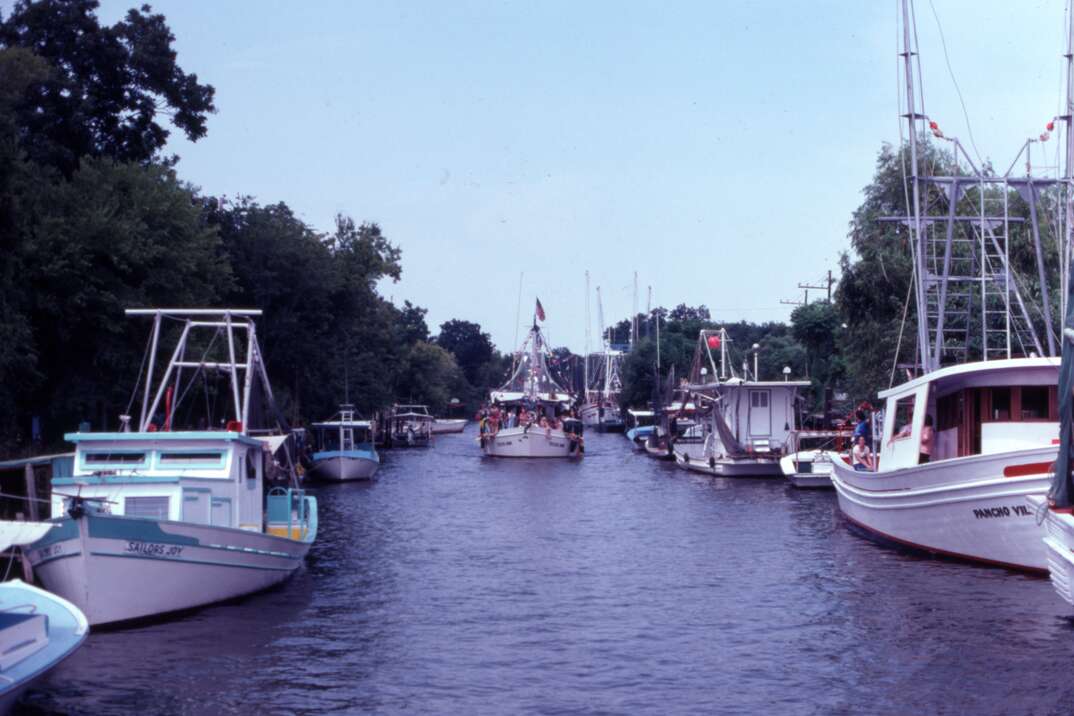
(31,491)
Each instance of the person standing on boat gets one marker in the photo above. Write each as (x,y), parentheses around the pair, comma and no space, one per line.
(861,456)
(928,438)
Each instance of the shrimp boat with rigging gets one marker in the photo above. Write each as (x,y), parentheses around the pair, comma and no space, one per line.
(532,391)
(965,443)
(165,518)
(603,384)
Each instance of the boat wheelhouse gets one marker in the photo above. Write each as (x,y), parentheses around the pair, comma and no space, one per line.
(169,517)
(343,448)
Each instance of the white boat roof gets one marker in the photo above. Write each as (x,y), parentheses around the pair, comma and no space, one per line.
(641,413)
(21,533)
(412,416)
(964,370)
(342,424)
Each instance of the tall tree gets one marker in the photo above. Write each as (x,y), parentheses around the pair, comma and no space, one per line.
(108,86)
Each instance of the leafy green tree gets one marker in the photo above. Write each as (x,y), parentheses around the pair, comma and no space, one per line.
(471,347)
(106,87)
(430,376)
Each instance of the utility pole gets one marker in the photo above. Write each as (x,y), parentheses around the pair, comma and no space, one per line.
(826,286)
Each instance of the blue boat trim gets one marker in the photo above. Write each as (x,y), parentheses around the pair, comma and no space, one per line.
(200,562)
(114,480)
(370,455)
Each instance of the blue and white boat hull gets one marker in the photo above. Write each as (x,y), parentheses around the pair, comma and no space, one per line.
(118,568)
(27,657)
(344,466)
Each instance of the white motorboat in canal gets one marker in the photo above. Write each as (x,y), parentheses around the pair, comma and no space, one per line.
(160,519)
(811,467)
(38,630)
(343,448)
(443,426)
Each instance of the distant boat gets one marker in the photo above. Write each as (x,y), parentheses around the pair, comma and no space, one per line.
(600,408)
(449,425)
(38,630)
(532,391)
(410,426)
(747,422)
(639,424)
(343,448)
(159,520)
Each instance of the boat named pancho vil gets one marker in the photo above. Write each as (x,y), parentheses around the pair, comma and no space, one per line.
(161,519)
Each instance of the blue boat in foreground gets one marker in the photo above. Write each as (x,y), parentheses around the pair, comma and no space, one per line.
(38,630)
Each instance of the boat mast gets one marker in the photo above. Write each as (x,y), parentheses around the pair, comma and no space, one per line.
(917,245)
(585,355)
(1068,117)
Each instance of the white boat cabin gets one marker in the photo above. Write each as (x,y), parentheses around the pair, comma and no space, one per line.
(975,409)
(761,414)
(211,478)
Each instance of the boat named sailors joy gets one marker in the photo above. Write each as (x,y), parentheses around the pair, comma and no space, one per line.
(166,518)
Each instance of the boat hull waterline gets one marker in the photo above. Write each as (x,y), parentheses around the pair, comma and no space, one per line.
(971,508)
(342,467)
(532,442)
(117,569)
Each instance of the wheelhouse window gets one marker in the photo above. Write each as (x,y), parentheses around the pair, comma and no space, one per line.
(758,398)
(1034,402)
(114,458)
(178,458)
(1001,404)
(904,417)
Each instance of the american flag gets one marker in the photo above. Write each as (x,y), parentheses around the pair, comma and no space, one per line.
(540,310)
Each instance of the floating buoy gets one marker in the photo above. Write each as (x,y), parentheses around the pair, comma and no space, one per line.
(714,341)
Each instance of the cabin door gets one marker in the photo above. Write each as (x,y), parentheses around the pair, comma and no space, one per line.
(760,413)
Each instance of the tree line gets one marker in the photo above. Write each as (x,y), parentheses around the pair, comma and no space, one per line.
(95,218)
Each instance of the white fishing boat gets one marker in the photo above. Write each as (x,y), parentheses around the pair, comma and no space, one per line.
(747,422)
(169,517)
(600,408)
(994,442)
(410,426)
(38,630)
(964,445)
(443,426)
(530,413)
(343,448)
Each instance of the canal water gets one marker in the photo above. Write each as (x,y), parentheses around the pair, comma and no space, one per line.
(457,584)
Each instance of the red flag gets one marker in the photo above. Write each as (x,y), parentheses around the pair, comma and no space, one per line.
(540,310)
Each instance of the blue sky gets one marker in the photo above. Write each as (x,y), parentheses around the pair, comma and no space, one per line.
(716,148)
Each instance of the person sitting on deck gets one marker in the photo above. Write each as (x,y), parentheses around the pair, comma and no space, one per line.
(861,457)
